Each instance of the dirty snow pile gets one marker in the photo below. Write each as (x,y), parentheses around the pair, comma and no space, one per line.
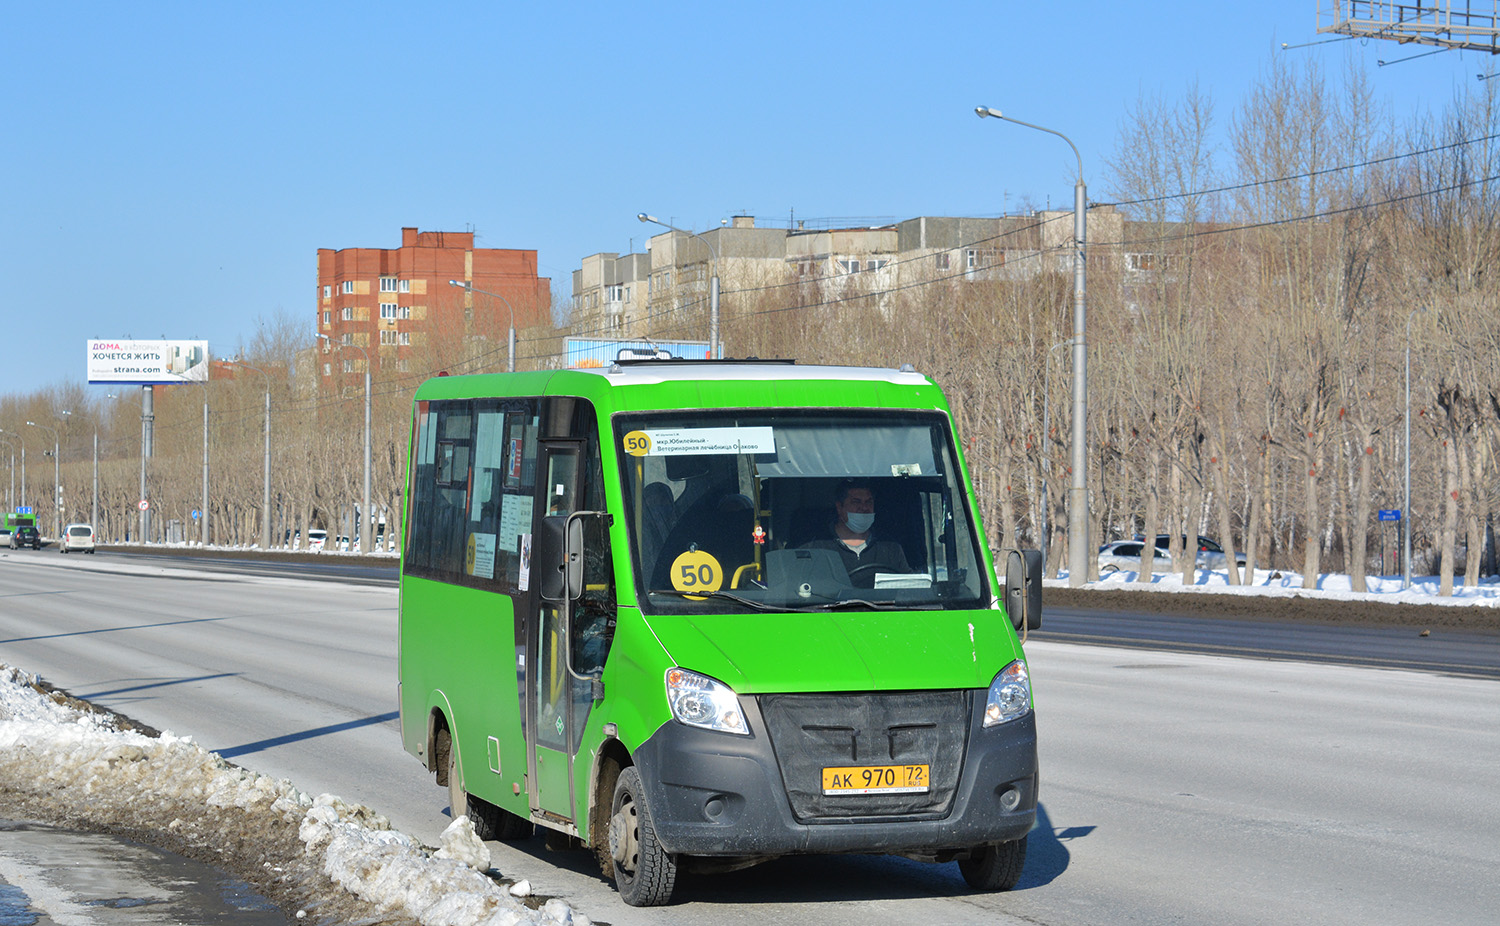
(1285,584)
(168,783)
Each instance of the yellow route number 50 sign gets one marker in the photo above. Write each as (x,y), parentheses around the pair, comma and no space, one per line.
(696,571)
(637,443)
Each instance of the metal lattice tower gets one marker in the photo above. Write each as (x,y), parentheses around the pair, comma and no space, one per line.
(1470,25)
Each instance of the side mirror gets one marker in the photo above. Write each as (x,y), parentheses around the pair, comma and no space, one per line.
(573,558)
(557,557)
(1023,588)
(549,558)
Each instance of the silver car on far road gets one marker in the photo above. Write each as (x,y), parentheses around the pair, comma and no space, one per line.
(76,538)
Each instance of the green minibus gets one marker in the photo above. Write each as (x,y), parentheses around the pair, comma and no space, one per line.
(646,607)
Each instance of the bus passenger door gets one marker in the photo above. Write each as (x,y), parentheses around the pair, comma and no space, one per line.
(549,747)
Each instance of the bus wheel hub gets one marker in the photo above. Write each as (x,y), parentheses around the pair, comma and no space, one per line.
(622,839)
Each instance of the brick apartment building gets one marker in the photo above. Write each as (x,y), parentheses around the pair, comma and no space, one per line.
(392,302)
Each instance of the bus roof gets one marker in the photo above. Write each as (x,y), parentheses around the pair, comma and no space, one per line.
(729,382)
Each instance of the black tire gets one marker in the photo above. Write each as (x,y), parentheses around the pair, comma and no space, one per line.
(644,872)
(995,867)
(489,822)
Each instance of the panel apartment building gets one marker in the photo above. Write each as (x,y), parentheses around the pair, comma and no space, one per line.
(393,304)
(663,293)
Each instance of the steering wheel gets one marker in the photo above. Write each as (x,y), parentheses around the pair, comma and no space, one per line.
(865,568)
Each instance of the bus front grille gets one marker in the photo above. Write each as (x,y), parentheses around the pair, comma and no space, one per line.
(812,732)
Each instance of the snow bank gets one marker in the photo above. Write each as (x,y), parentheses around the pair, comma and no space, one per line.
(1275,584)
(82,763)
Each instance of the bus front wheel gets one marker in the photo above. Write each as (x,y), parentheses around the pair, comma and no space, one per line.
(994,867)
(644,872)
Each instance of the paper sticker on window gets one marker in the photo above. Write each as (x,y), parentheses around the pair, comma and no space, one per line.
(694,441)
(479,556)
(906,469)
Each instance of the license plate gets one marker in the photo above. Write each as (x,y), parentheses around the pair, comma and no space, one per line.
(875,779)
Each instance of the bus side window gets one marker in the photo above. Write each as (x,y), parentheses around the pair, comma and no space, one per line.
(472,469)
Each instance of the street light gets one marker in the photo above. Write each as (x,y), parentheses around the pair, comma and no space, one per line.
(148,426)
(510,351)
(364,514)
(10,499)
(713,283)
(61,415)
(203,512)
(265,498)
(1078,552)
(20,440)
(1406,546)
(56,478)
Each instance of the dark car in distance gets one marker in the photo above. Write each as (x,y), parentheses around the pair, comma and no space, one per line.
(25,536)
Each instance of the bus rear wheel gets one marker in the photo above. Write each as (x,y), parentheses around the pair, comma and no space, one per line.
(994,867)
(489,822)
(645,873)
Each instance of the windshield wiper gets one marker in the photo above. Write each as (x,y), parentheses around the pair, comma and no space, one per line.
(844,603)
(725,596)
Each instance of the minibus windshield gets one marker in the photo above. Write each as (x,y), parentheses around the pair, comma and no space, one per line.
(797,509)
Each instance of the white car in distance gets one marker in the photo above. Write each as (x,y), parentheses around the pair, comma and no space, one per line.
(76,538)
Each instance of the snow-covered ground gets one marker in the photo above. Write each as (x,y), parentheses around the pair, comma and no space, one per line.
(83,766)
(1334,587)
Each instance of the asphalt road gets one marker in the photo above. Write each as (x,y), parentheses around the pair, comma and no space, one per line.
(1176,786)
(1455,652)
(1440,638)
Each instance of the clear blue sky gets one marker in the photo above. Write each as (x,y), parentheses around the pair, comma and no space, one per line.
(171,169)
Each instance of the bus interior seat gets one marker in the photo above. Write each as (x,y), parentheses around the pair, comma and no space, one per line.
(719,524)
(809,523)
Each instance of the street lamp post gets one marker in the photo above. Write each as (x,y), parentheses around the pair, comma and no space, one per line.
(510,350)
(59,502)
(265,496)
(713,283)
(17,501)
(1078,550)
(1406,533)
(56,477)
(148,426)
(203,512)
(365,520)
(10,499)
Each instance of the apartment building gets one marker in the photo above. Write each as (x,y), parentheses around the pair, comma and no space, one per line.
(610,290)
(386,305)
(841,259)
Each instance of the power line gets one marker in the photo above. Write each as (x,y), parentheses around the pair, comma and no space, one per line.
(1309,174)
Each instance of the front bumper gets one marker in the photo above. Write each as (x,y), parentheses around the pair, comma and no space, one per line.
(716,794)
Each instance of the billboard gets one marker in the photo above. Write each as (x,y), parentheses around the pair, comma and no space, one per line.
(582,353)
(148,362)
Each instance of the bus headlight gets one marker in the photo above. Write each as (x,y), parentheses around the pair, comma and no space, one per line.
(699,701)
(1010,695)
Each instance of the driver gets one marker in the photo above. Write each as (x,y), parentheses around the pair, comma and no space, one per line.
(853,540)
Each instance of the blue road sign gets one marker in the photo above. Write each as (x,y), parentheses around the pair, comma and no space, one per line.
(23,509)
(1390,514)
(195,514)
